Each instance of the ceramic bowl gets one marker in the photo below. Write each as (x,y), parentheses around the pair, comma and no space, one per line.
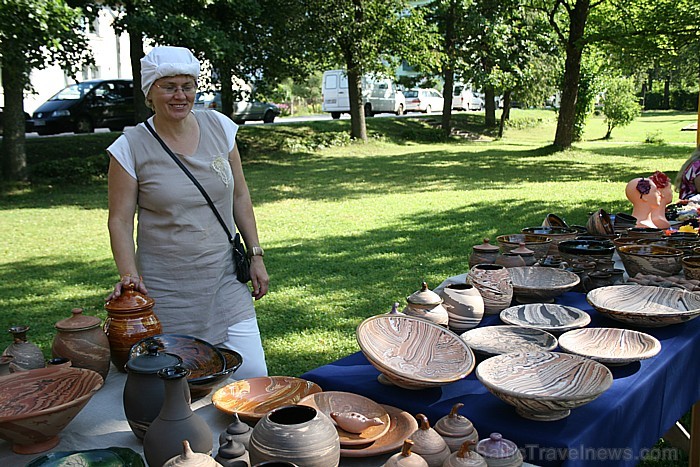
(534,284)
(586,250)
(414,353)
(206,363)
(537,243)
(600,223)
(497,340)
(546,385)
(612,346)
(338,401)
(650,259)
(35,405)
(552,220)
(644,232)
(253,398)
(402,426)
(644,305)
(557,234)
(546,316)
(691,267)
(685,245)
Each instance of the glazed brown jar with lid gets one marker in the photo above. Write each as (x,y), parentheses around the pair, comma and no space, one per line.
(483,254)
(81,339)
(130,318)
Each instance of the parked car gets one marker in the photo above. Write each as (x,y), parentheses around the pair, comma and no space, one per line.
(242,110)
(463,98)
(424,100)
(82,107)
(27,122)
(379,95)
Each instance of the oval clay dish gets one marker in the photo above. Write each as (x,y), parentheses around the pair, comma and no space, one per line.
(546,316)
(611,346)
(402,426)
(497,340)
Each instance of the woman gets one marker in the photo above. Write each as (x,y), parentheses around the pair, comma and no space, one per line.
(687,182)
(183,258)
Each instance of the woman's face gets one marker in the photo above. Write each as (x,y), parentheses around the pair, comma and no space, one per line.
(172,97)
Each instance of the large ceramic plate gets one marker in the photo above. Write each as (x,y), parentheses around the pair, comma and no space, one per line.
(253,398)
(496,340)
(546,316)
(338,401)
(402,426)
(610,345)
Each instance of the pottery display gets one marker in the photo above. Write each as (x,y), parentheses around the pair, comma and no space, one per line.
(464,305)
(465,456)
(456,429)
(645,306)
(426,304)
(691,267)
(238,431)
(499,452)
(537,243)
(510,260)
(5,361)
(612,346)
(359,420)
(27,356)
(81,339)
(494,285)
(36,404)
(546,316)
(497,340)
(297,433)
(402,425)
(107,457)
(546,385)
(651,259)
(176,422)
(429,444)
(144,391)
(253,398)
(130,318)
(484,253)
(586,250)
(406,458)
(414,353)
(600,223)
(532,284)
(232,453)
(189,458)
(556,234)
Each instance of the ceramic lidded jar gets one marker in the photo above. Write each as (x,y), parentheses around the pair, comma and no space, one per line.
(231,453)
(130,318)
(81,339)
(494,284)
(510,260)
(27,356)
(456,429)
(499,452)
(484,253)
(427,305)
(526,254)
(465,457)
(429,444)
(464,306)
(406,458)
(189,458)
(238,431)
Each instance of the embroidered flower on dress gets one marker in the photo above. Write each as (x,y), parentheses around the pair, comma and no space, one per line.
(222,168)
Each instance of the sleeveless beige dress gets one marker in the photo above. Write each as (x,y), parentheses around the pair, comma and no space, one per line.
(182,251)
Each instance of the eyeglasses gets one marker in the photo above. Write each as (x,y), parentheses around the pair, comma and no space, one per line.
(172,89)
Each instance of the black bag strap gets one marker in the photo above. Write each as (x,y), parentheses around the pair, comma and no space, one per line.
(191,177)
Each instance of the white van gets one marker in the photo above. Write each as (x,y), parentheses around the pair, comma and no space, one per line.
(463,98)
(378,95)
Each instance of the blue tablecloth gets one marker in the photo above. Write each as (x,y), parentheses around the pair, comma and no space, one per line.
(617,429)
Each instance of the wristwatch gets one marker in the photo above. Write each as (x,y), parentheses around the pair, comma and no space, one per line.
(256,251)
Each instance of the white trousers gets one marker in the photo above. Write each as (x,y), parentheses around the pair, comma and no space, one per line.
(244,338)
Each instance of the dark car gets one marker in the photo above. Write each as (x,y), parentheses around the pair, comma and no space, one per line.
(82,107)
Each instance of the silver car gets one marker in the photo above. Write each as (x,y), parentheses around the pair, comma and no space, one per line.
(242,110)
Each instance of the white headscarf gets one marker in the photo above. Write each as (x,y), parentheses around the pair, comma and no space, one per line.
(167,61)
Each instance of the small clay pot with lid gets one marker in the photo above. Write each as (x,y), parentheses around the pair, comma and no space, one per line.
(429,444)
(427,305)
(499,451)
(238,431)
(189,458)
(406,458)
(525,253)
(232,454)
(81,339)
(456,429)
(465,457)
(485,253)
(130,318)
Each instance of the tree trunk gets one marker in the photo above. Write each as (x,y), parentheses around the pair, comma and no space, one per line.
(227,100)
(14,157)
(490,106)
(505,115)
(572,72)
(358,129)
(667,93)
(141,112)
(448,70)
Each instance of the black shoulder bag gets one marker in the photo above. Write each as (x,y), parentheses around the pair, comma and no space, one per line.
(240,257)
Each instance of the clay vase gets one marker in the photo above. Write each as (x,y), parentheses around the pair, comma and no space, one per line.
(456,429)
(5,361)
(144,391)
(176,422)
(27,356)
(189,458)
(232,454)
(429,444)
(130,318)
(465,457)
(298,434)
(464,306)
(238,431)
(510,260)
(483,254)
(494,284)
(427,305)
(406,458)
(499,452)
(81,339)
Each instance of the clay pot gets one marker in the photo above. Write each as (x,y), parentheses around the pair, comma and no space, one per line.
(510,260)
(494,284)
(406,458)
(144,391)
(526,254)
(130,318)
(81,339)
(176,422)
(189,458)
(429,444)
(427,305)
(599,223)
(483,254)
(296,433)
(499,452)
(456,429)
(5,361)
(238,431)
(27,356)
(232,453)
(465,457)
(464,306)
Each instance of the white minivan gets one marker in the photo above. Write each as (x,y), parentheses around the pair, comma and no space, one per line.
(378,95)
(463,98)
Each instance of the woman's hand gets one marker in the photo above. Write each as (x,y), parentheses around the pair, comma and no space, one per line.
(258,277)
(124,282)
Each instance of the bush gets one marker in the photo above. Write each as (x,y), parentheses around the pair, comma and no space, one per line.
(620,105)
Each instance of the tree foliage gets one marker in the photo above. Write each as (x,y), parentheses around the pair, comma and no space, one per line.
(620,104)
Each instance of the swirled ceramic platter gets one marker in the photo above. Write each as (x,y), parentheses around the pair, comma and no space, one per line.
(611,346)
(497,340)
(402,426)
(546,316)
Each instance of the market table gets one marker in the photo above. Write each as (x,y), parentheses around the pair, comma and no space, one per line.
(617,429)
